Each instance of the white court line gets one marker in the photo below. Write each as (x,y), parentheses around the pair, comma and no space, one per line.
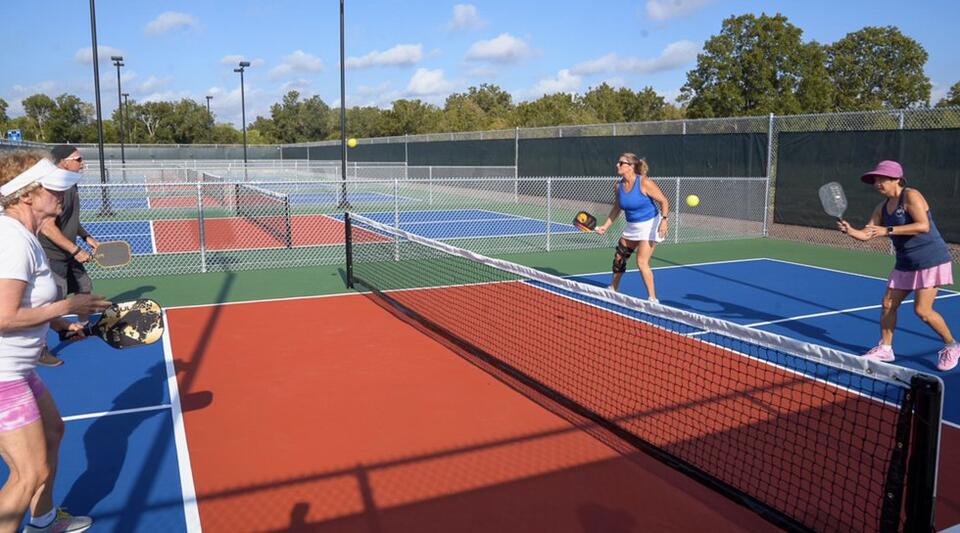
(153,238)
(191,512)
(839,312)
(102,414)
(842,271)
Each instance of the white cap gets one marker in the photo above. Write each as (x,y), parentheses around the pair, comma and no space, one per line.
(46,173)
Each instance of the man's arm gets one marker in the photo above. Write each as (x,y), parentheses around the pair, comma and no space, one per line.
(50,230)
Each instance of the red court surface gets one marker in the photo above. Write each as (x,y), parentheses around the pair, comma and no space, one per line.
(330,414)
(183,235)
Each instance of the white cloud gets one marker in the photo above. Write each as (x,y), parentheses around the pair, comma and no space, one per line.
(165,96)
(428,82)
(298,61)
(465,17)
(153,84)
(85,55)
(667,9)
(675,55)
(300,85)
(503,48)
(19,92)
(234,59)
(563,82)
(401,54)
(169,21)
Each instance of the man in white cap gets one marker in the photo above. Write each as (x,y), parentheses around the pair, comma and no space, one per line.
(59,240)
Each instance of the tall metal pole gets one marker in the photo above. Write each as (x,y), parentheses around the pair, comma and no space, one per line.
(208,106)
(104,197)
(344,203)
(243,114)
(118,61)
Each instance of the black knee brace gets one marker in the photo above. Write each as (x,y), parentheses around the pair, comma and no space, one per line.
(620,258)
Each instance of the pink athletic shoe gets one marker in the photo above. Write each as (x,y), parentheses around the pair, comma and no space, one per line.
(880,353)
(948,357)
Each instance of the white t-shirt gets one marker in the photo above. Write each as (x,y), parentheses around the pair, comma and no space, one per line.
(23,259)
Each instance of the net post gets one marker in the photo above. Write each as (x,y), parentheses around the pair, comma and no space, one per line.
(348,246)
(924,453)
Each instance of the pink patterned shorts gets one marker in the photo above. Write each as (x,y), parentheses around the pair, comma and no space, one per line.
(18,401)
(911,280)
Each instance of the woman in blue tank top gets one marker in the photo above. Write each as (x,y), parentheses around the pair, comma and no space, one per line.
(645,208)
(923,260)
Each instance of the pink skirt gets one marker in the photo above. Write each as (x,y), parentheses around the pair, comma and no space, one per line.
(911,280)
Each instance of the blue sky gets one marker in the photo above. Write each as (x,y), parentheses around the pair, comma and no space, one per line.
(408,48)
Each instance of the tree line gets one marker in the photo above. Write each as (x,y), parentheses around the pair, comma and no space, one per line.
(756,65)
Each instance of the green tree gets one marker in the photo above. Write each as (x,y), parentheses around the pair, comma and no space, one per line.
(189,122)
(226,134)
(293,120)
(952,98)
(366,121)
(607,104)
(755,66)
(3,113)
(38,108)
(876,68)
(409,117)
(816,91)
(68,120)
(153,120)
(461,113)
(552,110)
(645,104)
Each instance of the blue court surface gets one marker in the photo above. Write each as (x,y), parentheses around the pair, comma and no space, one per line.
(466,223)
(124,459)
(139,233)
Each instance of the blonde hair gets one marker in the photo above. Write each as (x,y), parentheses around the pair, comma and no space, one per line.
(640,165)
(12,164)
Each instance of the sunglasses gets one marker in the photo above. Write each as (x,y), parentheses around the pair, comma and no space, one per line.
(623,163)
(78,159)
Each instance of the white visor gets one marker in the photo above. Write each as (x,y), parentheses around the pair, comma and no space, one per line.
(49,175)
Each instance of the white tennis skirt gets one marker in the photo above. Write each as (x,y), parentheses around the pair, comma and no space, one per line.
(643,231)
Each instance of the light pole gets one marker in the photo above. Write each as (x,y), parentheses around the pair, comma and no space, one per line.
(208,107)
(243,112)
(118,62)
(104,197)
(344,203)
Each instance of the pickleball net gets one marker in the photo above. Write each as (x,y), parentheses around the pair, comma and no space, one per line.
(269,210)
(812,438)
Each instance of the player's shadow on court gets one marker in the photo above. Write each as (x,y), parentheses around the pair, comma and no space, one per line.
(133,294)
(106,442)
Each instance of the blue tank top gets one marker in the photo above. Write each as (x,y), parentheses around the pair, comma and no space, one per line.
(637,207)
(915,252)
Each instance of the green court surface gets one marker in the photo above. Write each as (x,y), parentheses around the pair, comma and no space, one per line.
(198,289)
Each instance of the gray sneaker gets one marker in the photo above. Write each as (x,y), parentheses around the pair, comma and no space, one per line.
(48,359)
(63,523)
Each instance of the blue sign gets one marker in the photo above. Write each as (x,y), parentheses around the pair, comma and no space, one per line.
(14,135)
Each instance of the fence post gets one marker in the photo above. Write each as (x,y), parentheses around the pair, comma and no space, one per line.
(516,165)
(676,213)
(549,209)
(430,184)
(766,188)
(202,237)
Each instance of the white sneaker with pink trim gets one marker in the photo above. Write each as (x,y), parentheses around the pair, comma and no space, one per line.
(949,356)
(880,352)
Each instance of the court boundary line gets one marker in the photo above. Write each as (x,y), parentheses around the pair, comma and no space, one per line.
(362,293)
(188,491)
(153,238)
(843,272)
(101,414)
(840,311)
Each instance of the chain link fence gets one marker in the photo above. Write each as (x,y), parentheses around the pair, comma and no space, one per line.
(210,222)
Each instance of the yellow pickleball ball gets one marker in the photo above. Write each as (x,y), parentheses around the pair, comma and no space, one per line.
(693,200)
(351,142)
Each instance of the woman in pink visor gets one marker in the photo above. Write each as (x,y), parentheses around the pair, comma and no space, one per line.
(923,260)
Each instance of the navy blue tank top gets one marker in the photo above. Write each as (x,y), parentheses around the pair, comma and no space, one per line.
(915,252)
(637,207)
